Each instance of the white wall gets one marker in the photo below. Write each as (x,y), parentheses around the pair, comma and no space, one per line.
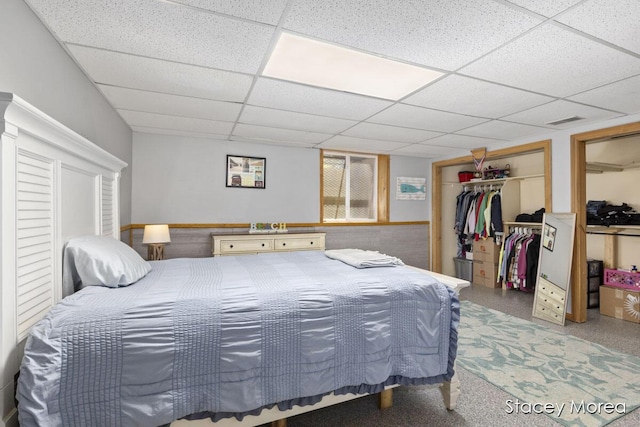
(408,210)
(182,180)
(36,68)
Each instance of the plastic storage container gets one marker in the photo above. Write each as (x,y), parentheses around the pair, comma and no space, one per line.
(464,268)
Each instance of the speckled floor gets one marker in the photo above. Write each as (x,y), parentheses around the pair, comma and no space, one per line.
(481,403)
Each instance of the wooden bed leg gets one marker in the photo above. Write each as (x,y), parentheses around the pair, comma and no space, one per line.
(450,391)
(386,399)
(279,423)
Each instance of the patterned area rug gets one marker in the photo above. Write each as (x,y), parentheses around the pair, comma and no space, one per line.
(575,382)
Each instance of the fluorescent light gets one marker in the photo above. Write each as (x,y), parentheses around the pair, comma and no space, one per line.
(315,63)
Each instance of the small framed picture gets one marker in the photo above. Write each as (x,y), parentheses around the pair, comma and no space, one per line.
(548,237)
(246,172)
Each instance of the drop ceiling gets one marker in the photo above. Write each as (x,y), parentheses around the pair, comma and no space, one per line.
(509,68)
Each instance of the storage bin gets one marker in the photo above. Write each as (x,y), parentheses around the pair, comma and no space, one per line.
(464,268)
(593,299)
(465,176)
(622,279)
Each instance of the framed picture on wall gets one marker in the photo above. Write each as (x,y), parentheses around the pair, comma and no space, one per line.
(246,172)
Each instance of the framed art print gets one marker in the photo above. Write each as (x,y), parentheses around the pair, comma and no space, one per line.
(246,172)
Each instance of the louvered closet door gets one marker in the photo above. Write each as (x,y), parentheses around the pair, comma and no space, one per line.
(107,220)
(34,240)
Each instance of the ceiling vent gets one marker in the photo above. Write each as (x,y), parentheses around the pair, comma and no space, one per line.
(566,120)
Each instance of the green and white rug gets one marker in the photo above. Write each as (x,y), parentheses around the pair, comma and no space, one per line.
(575,382)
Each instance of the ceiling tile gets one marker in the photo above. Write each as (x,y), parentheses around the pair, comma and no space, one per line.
(161,121)
(135,72)
(389,133)
(557,110)
(424,118)
(154,102)
(340,142)
(506,131)
(267,11)
(554,61)
(262,141)
(306,99)
(186,35)
(290,120)
(465,95)
(177,132)
(427,33)
(427,151)
(463,141)
(598,17)
(275,134)
(620,96)
(547,8)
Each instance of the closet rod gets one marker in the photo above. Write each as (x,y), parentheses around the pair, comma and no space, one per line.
(613,234)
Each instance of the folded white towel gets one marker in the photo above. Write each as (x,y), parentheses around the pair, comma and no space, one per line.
(360,258)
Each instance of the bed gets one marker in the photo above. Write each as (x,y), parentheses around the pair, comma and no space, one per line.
(67,378)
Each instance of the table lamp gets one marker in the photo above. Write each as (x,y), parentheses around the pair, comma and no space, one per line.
(156,236)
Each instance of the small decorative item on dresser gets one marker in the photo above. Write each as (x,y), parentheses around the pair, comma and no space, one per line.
(156,236)
(274,227)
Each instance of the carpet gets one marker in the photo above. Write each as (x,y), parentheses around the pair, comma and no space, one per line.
(573,381)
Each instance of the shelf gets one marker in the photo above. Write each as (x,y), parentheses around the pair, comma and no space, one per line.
(495,181)
(522,224)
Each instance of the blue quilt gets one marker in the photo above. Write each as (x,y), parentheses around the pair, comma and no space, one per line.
(227,336)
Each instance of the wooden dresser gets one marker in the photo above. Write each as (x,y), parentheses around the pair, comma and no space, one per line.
(238,244)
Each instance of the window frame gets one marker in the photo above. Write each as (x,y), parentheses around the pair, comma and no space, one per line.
(380,187)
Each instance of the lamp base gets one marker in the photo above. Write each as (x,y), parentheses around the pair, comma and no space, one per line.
(155,251)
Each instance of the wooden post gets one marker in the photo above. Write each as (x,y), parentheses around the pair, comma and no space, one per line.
(279,423)
(385,400)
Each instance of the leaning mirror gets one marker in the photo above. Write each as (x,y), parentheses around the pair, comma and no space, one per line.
(554,267)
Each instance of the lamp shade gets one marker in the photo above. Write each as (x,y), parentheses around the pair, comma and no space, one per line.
(157,233)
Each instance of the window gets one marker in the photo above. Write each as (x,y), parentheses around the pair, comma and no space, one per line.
(350,187)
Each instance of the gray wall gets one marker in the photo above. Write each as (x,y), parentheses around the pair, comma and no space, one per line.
(181,180)
(37,69)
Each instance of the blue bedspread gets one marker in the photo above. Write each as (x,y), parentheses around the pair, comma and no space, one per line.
(230,335)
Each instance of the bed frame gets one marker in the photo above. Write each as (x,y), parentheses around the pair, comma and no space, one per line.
(54,185)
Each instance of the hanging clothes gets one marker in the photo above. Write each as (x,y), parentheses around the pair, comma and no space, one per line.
(518,263)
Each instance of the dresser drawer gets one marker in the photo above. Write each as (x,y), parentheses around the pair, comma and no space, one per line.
(245,246)
(551,292)
(299,243)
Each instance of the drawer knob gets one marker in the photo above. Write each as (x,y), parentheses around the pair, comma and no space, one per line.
(230,246)
(263,245)
(311,243)
(284,244)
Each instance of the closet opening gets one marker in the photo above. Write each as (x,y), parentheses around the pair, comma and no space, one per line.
(525,190)
(604,165)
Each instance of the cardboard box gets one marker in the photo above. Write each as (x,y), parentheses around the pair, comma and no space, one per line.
(620,303)
(485,273)
(486,250)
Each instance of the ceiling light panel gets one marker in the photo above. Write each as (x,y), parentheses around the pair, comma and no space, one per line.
(131,71)
(306,99)
(439,34)
(427,151)
(303,60)
(462,141)
(159,29)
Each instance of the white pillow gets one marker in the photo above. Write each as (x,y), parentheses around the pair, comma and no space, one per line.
(101,261)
